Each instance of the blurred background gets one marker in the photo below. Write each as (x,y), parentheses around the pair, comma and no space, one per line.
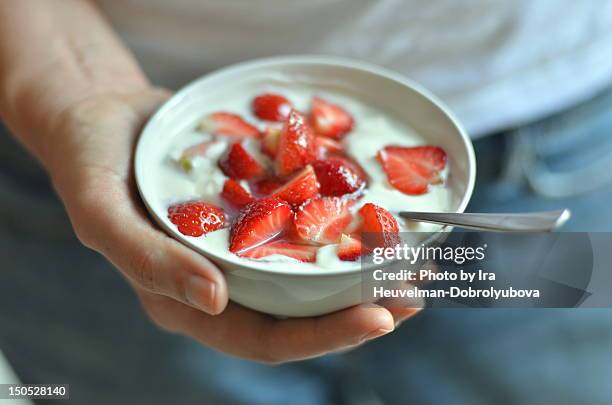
(532,82)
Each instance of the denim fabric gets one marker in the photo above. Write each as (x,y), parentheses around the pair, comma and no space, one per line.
(67,316)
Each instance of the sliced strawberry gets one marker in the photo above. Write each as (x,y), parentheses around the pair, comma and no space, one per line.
(195,218)
(235,194)
(192,152)
(269,141)
(377,219)
(338,176)
(350,248)
(303,253)
(267,185)
(353,164)
(323,220)
(228,124)
(302,187)
(381,226)
(296,145)
(325,146)
(258,223)
(329,119)
(237,163)
(412,169)
(271,107)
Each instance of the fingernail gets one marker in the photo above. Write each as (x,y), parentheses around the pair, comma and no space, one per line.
(405,314)
(375,333)
(201,292)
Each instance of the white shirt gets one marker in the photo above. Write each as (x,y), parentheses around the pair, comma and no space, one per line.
(497,63)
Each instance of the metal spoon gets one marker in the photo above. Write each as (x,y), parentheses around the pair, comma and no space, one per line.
(544,221)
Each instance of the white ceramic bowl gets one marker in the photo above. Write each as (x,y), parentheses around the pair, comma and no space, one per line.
(294,292)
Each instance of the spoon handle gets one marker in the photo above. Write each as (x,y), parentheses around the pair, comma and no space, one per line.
(544,221)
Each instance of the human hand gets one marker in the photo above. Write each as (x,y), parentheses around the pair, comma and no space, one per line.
(89,155)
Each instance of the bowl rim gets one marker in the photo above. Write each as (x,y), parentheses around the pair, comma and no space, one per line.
(343,62)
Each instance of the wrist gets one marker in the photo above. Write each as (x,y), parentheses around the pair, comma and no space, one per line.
(71,57)
(41,115)
(93,133)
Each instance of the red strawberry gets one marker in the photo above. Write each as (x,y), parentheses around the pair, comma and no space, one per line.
(258,223)
(356,167)
(271,107)
(329,119)
(269,141)
(239,164)
(381,226)
(296,145)
(338,176)
(322,220)
(267,185)
(325,146)
(303,253)
(350,248)
(412,170)
(236,194)
(228,124)
(302,187)
(195,218)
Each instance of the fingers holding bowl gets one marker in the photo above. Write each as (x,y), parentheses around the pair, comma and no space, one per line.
(114,224)
(253,335)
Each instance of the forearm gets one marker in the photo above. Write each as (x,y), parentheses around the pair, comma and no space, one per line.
(53,55)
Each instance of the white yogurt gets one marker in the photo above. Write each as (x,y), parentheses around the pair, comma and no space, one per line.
(372,131)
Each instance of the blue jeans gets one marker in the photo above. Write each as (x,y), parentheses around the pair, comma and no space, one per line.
(66,315)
